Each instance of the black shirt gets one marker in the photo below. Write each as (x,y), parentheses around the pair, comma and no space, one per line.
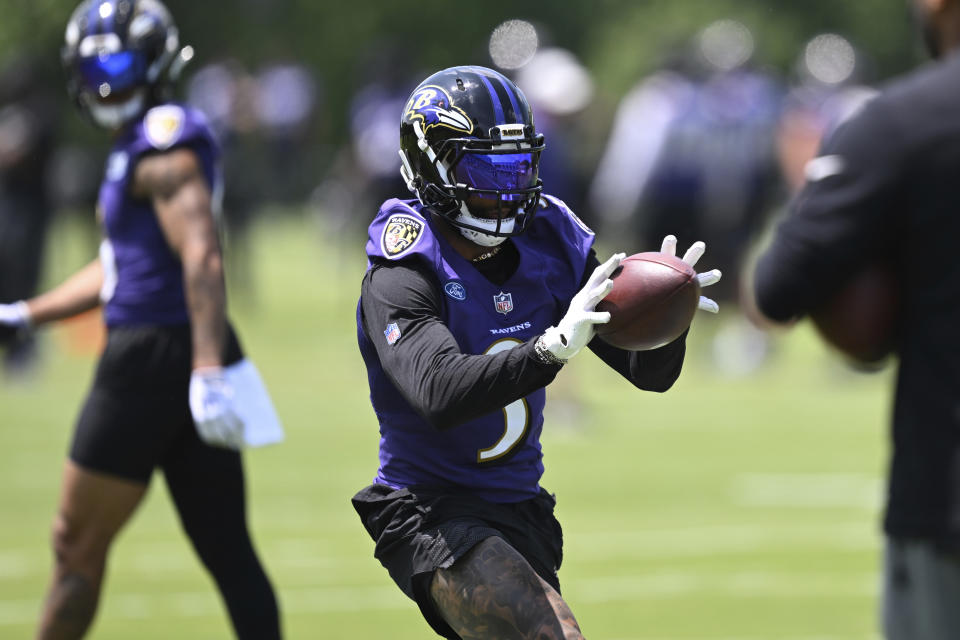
(887,186)
(448,387)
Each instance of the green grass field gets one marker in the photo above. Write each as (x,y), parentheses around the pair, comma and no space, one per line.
(740,508)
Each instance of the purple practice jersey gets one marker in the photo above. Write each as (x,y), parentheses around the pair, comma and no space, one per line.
(496,456)
(143,278)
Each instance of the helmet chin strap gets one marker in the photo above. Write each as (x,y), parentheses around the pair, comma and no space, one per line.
(479,237)
(114,116)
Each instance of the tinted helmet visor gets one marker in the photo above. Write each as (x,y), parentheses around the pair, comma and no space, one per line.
(511,174)
(119,71)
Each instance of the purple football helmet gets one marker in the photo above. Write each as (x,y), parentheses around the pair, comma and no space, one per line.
(470,152)
(121,56)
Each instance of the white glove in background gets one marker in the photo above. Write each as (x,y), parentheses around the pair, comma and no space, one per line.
(693,254)
(576,328)
(211,403)
(232,408)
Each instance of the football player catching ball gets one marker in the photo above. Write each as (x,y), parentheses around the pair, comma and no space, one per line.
(477,293)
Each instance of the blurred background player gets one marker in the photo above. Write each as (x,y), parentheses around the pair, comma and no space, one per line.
(691,152)
(560,91)
(476,294)
(159,277)
(828,89)
(263,122)
(363,172)
(27,124)
(226,93)
(883,189)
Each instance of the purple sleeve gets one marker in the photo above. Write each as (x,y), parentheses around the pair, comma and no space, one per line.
(171,126)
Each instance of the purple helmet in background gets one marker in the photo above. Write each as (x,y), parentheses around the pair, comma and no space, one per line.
(121,56)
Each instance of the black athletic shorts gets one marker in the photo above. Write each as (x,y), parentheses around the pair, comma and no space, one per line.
(418,531)
(138,410)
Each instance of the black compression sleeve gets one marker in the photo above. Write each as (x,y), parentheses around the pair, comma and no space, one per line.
(426,365)
(654,370)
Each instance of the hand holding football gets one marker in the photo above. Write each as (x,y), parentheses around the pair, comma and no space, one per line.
(653,300)
(860,319)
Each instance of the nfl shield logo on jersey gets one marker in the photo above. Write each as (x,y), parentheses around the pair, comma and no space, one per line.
(392,333)
(503,302)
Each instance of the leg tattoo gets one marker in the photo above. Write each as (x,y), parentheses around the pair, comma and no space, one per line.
(493,592)
(70,607)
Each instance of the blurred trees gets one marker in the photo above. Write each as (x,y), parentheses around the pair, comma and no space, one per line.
(619,40)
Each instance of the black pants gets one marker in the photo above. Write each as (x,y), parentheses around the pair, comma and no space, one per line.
(137,418)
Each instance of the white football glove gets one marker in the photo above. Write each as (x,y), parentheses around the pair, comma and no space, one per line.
(15,315)
(693,254)
(211,403)
(576,328)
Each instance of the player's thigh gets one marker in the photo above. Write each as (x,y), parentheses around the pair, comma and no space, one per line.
(115,446)
(493,591)
(93,507)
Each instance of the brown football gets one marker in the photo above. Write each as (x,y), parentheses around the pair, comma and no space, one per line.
(653,300)
(860,320)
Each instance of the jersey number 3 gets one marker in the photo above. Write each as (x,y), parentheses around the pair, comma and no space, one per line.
(516,416)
